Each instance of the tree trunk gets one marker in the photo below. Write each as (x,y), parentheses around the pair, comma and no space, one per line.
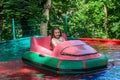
(44,25)
(105,18)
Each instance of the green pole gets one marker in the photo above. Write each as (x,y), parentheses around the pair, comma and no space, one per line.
(13,29)
(66,25)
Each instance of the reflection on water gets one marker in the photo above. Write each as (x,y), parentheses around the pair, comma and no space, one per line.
(15,69)
(106,49)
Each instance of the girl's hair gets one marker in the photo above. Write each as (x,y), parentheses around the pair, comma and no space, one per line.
(52,35)
(52,32)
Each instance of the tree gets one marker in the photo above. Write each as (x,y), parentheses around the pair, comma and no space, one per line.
(22,10)
(96,18)
(114,20)
(45,14)
(1,21)
(58,10)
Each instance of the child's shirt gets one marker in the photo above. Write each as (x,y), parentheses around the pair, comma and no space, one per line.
(56,41)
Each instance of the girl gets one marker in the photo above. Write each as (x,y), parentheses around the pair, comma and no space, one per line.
(56,37)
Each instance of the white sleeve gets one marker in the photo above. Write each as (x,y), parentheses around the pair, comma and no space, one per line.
(54,42)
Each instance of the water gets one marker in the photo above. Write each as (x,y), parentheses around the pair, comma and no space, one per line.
(12,67)
(13,49)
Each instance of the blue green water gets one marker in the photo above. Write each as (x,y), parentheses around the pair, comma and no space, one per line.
(14,49)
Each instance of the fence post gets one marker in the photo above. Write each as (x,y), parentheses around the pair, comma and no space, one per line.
(13,29)
(66,25)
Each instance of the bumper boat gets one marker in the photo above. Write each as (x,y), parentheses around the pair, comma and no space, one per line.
(69,57)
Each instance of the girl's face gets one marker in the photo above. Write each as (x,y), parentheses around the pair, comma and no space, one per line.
(57,33)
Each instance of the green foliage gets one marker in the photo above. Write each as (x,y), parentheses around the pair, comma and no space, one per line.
(21,8)
(86,17)
(6,30)
(114,20)
(58,9)
(114,30)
